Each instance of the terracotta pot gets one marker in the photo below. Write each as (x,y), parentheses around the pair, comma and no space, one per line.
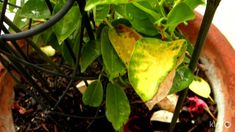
(219,57)
(6,100)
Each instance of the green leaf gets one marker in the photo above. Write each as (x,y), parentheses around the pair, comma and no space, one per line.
(100,13)
(180,13)
(141,21)
(68,24)
(36,9)
(194,3)
(66,54)
(94,94)
(200,87)
(112,63)
(151,62)
(20,21)
(92,3)
(89,53)
(123,40)
(117,106)
(182,80)
(11,8)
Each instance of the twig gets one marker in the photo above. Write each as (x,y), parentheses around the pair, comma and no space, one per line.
(75,116)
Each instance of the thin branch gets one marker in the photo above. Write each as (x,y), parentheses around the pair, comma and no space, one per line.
(75,116)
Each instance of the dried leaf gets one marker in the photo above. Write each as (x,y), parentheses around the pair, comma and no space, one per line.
(168,103)
(163,90)
(162,116)
(81,86)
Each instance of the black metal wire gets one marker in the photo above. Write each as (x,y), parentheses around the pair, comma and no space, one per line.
(49,5)
(10,4)
(4,7)
(204,28)
(40,28)
(32,44)
(17,47)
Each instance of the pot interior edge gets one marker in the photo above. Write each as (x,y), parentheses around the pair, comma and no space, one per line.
(216,84)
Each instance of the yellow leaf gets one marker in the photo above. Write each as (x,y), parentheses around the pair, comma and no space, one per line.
(151,62)
(200,87)
(123,40)
(48,50)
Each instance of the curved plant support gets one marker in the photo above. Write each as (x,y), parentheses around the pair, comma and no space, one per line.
(206,22)
(3,15)
(36,30)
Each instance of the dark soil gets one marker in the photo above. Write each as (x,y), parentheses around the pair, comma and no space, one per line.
(33,111)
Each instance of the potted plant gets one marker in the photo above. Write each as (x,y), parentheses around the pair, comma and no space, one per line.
(121,46)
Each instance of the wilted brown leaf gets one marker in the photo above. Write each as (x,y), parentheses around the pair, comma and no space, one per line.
(163,90)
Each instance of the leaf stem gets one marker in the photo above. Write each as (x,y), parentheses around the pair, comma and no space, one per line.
(108,23)
(150,12)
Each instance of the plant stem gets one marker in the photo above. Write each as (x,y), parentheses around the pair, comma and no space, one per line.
(149,11)
(206,22)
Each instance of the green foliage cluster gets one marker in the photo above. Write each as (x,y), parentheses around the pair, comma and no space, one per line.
(157,51)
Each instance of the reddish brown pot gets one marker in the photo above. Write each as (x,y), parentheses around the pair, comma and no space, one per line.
(219,57)
(6,100)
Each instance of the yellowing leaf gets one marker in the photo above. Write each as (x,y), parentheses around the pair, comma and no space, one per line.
(112,64)
(200,87)
(163,90)
(151,62)
(123,40)
(48,50)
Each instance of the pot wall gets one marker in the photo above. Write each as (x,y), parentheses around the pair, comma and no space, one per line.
(6,100)
(219,57)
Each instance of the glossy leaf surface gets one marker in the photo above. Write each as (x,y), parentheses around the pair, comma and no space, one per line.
(200,87)
(194,3)
(100,13)
(180,13)
(151,62)
(89,53)
(68,24)
(117,106)
(182,80)
(112,63)
(94,94)
(140,20)
(36,9)
(92,3)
